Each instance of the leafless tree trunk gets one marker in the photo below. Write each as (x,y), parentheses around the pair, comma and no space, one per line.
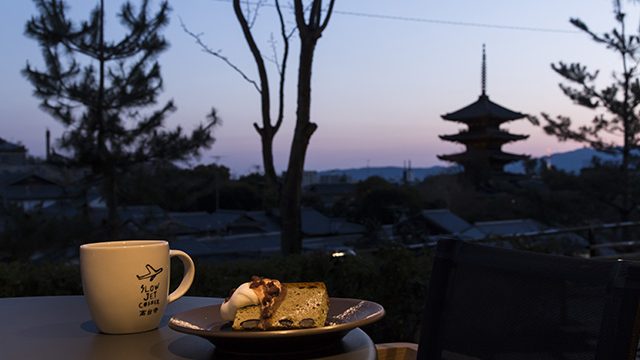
(310,25)
(269,127)
(268,130)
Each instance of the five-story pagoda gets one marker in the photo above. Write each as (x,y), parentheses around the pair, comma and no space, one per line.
(483,157)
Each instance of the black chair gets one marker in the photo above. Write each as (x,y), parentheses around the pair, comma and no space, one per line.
(498,304)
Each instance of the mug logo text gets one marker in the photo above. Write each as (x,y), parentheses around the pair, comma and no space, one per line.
(150,301)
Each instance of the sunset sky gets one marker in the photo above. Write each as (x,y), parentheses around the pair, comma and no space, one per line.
(383,74)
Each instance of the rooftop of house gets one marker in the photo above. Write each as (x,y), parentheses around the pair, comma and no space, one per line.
(8,147)
(248,245)
(509,227)
(446,220)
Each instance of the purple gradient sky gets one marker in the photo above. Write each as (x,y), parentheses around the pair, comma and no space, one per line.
(379,85)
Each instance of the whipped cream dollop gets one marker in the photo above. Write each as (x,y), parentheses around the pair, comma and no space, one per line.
(260,291)
(241,297)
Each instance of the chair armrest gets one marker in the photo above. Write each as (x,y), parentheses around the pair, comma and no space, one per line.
(397,351)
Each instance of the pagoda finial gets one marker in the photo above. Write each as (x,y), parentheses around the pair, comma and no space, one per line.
(484,71)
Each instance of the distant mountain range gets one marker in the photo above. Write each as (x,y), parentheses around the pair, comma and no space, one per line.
(391,173)
(570,161)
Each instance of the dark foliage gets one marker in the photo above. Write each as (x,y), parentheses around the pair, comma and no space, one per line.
(553,197)
(47,279)
(615,126)
(377,201)
(173,188)
(98,89)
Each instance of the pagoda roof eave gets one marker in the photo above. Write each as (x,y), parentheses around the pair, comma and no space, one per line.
(502,136)
(483,108)
(494,155)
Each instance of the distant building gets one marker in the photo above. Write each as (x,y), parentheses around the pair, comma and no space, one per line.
(31,191)
(407,173)
(309,178)
(12,154)
(313,177)
(483,157)
(36,185)
(341,178)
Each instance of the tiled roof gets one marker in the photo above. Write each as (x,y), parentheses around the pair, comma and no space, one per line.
(204,220)
(266,221)
(30,186)
(315,223)
(446,220)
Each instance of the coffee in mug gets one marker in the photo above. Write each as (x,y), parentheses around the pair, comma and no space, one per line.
(126,283)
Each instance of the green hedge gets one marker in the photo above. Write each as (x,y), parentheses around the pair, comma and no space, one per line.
(394,278)
(27,279)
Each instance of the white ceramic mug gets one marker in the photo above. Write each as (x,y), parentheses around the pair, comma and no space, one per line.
(126,283)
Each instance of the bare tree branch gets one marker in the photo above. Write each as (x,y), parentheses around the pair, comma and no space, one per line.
(252,15)
(329,12)
(205,48)
(283,68)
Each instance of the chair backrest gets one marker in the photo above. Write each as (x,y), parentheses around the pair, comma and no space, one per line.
(498,304)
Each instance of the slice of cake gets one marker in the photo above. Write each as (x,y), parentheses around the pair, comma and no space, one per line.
(279,305)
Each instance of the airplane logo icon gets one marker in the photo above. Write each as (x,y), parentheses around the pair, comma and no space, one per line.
(151,273)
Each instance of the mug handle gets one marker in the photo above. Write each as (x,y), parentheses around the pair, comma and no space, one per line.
(187,279)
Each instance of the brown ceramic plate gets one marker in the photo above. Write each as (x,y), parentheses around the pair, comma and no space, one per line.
(344,315)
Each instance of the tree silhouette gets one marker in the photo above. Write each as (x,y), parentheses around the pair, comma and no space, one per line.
(311,20)
(310,24)
(617,104)
(98,90)
(269,125)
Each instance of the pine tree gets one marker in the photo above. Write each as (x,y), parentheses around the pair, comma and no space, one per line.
(98,89)
(616,127)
